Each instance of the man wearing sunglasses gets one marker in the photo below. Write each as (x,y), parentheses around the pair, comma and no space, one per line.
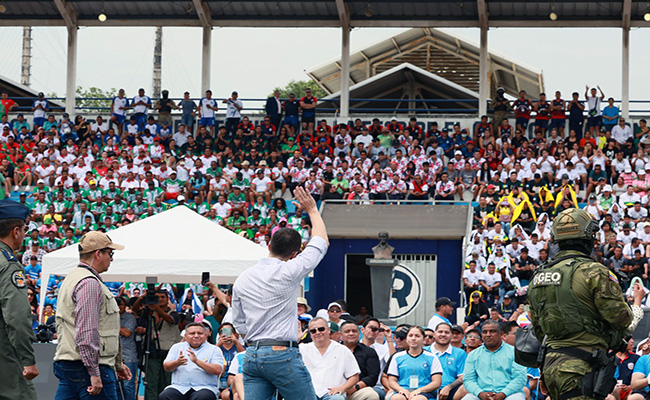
(264,309)
(88,326)
(333,368)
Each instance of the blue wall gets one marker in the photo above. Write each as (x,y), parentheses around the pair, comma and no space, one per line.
(328,283)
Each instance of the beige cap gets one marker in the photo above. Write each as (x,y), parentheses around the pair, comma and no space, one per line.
(95,240)
(303,301)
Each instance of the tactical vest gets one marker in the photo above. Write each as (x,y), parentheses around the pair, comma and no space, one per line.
(109,321)
(559,312)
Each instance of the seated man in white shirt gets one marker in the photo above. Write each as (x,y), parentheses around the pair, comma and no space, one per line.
(332,367)
(196,367)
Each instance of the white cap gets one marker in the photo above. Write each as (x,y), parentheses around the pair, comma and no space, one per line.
(642,172)
(393,119)
(647,166)
(40,181)
(334,304)
(180,198)
(628,170)
(646,224)
(458,153)
(607,188)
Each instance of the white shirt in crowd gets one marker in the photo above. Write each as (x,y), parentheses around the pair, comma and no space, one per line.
(331,369)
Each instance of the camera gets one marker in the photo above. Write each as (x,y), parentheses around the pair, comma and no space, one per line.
(150,297)
(187,315)
(45,333)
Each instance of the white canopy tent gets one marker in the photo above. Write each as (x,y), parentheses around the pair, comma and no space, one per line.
(175,246)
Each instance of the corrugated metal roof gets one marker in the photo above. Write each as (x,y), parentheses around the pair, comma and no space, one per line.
(397,83)
(423,13)
(437,52)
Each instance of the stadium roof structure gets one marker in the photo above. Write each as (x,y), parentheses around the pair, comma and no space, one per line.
(22,94)
(327,13)
(403,88)
(344,14)
(439,53)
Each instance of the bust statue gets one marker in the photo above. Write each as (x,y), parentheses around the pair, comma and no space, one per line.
(383,250)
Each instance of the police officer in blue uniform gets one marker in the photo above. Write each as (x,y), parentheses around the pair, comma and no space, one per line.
(17,359)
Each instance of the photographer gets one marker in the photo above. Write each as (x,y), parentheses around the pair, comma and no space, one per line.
(166,326)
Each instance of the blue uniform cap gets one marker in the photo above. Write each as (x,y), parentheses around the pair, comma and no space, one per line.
(13,209)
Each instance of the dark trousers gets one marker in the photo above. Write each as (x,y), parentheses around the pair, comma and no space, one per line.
(157,378)
(173,394)
(231,125)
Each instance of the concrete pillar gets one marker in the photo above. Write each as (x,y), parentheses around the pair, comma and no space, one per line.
(625,74)
(345,72)
(483,87)
(206,59)
(71,73)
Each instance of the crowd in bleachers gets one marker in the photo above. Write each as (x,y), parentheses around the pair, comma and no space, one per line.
(79,175)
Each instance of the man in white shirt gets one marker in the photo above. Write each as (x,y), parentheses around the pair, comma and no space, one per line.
(180,137)
(206,108)
(621,132)
(141,105)
(264,309)
(332,366)
(233,112)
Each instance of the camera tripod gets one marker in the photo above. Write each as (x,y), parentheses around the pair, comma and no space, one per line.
(151,343)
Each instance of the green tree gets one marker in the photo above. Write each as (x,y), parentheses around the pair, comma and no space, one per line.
(298,88)
(87,98)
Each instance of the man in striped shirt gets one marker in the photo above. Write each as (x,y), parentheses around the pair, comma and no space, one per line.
(264,309)
(88,325)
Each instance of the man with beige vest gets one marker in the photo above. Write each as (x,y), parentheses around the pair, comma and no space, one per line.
(88,326)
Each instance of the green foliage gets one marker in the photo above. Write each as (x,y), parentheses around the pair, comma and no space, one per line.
(298,88)
(94,93)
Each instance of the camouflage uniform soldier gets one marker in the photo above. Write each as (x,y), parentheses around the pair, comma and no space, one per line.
(17,360)
(578,305)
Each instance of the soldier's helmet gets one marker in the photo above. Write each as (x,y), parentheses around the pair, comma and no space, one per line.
(573,223)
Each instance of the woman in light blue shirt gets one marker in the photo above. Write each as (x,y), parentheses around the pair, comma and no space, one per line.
(414,374)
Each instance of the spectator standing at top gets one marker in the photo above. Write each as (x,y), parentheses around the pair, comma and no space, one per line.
(610,115)
(558,116)
(164,106)
(233,112)
(594,114)
(206,108)
(17,360)
(522,107)
(491,371)
(274,109)
(264,308)
(308,105)
(140,104)
(119,105)
(40,107)
(291,109)
(188,107)
(501,106)
(576,114)
(7,103)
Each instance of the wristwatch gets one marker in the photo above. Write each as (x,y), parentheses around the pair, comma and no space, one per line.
(357,387)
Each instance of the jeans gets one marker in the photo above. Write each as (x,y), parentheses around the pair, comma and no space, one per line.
(332,397)
(266,369)
(74,381)
(128,387)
